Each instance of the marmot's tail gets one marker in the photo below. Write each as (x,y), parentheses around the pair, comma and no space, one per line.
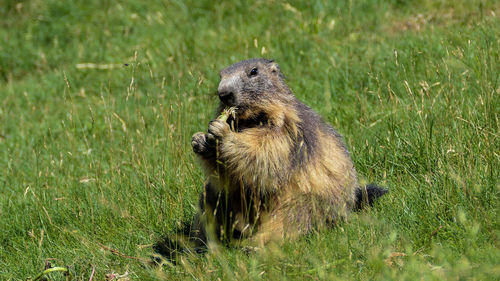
(365,196)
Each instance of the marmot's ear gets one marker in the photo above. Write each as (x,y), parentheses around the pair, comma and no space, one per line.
(275,68)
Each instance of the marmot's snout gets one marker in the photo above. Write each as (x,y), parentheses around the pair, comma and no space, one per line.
(227,97)
(228,88)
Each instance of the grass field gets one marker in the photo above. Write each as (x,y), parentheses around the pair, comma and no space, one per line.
(99,100)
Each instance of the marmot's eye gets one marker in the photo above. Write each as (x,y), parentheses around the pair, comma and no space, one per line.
(254,71)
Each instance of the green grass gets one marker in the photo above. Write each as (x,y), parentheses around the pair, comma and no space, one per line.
(93,156)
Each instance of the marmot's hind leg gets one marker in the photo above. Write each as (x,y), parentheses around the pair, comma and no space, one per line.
(297,215)
(190,238)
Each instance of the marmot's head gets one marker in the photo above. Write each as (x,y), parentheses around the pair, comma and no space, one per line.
(252,82)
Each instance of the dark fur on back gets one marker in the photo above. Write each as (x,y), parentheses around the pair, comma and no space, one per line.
(307,126)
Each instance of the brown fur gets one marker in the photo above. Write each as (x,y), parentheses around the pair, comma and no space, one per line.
(276,170)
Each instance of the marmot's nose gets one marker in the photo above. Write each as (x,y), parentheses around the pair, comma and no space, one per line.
(226,96)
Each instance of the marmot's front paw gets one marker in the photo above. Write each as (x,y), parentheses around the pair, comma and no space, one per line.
(218,128)
(199,143)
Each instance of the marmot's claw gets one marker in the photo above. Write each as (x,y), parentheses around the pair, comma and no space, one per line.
(199,142)
(218,128)
(250,250)
(211,141)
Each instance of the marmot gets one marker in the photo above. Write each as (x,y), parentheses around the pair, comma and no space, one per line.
(275,169)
